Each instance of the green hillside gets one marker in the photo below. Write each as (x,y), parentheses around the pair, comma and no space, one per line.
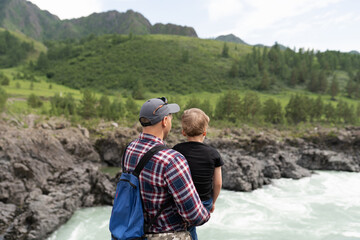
(156,62)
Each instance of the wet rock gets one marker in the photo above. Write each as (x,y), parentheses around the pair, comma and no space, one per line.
(242,173)
(316,159)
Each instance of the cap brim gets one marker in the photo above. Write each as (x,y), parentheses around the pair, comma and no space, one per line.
(173,108)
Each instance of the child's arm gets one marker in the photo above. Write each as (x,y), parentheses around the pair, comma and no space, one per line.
(217,185)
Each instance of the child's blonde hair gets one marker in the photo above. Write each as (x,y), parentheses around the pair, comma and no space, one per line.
(194,122)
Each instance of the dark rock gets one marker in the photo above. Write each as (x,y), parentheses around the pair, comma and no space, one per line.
(316,159)
(7,214)
(112,146)
(46,175)
(242,173)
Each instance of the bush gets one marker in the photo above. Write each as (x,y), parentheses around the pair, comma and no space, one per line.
(4,80)
(63,105)
(34,101)
(3,99)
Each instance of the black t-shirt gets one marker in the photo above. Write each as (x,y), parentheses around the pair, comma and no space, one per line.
(202,160)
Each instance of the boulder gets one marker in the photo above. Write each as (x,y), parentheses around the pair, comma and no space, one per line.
(242,173)
(46,175)
(316,159)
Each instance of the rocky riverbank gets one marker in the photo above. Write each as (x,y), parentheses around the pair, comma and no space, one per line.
(50,169)
(46,173)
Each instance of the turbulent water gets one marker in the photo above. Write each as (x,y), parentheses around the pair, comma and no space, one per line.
(325,206)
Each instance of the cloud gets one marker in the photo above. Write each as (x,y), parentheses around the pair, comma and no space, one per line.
(265,14)
(218,9)
(78,8)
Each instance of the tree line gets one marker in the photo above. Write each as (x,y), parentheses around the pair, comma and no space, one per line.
(230,107)
(300,108)
(268,67)
(89,106)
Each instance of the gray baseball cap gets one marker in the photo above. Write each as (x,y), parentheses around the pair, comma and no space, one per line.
(156,109)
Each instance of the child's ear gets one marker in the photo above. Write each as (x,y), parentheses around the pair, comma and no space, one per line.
(183,133)
(204,133)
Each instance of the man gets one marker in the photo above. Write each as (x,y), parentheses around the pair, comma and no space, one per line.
(166,178)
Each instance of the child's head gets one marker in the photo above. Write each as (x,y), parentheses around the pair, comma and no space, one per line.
(194,122)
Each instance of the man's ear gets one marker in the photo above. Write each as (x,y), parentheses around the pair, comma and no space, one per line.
(164,121)
(204,133)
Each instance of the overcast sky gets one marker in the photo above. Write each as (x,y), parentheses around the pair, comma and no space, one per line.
(309,24)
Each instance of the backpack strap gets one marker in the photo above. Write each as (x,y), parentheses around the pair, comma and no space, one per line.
(123,158)
(145,159)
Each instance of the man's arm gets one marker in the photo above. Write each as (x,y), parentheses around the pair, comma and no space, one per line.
(182,188)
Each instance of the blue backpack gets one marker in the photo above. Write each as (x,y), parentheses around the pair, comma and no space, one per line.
(127,217)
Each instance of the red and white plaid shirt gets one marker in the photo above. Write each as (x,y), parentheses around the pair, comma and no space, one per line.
(166,177)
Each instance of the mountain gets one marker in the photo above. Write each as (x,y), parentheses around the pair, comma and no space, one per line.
(25,17)
(354,52)
(172,29)
(230,38)
(281,47)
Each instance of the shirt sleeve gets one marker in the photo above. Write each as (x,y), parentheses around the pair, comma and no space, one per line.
(182,188)
(217,158)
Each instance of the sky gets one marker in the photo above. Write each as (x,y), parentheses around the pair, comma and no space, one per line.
(309,24)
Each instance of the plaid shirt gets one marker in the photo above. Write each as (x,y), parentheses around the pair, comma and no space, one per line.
(165,178)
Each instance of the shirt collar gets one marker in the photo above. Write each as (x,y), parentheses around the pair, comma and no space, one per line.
(149,137)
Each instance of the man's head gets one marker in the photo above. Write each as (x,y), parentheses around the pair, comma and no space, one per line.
(155,116)
(194,122)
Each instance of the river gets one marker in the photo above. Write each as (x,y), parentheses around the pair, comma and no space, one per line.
(325,206)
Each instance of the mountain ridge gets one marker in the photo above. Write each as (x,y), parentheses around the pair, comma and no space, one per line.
(27,18)
(230,38)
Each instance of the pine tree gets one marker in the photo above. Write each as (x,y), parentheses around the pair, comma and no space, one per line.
(228,107)
(265,81)
(234,70)
(272,111)
(117,109)
(296,109)
(329,112)
(322,82)
(318,108)
(185,56)
(88,104)
(334,88)
(251,105)
(225,51)
(34,101)
(3,99)
(4,80)
(358,112)
(103,108)
(42,62)
(207,107)
(350,88)
(138,90)
(131,108)
(193,102)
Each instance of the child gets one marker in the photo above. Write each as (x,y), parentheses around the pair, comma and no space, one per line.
(204,161)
